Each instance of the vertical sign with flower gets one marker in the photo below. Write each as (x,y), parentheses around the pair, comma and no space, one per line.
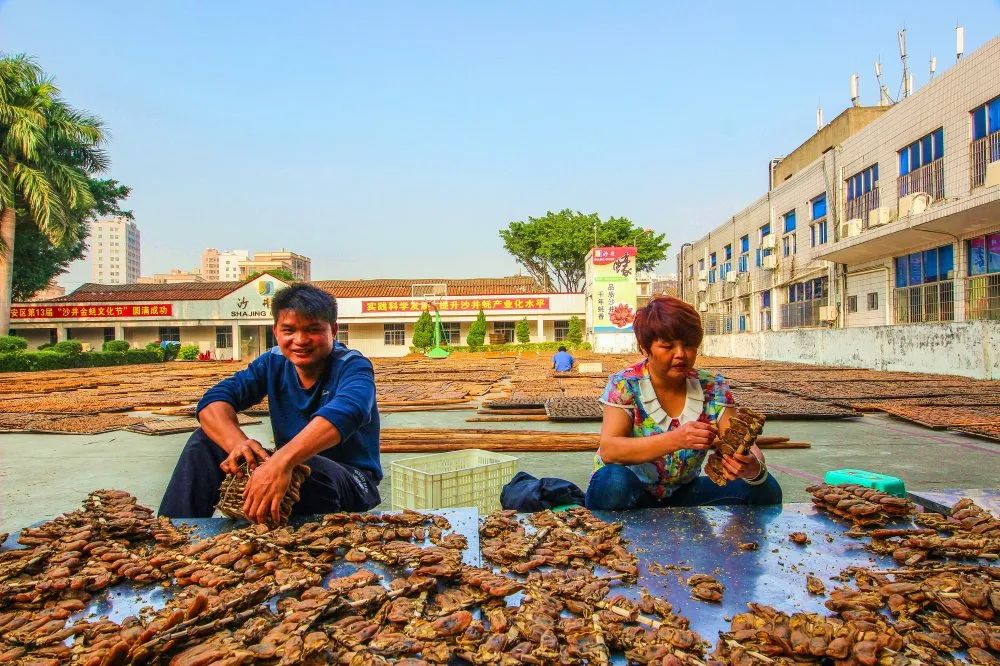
(614,289)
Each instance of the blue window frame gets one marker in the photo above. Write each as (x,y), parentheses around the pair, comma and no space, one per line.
(712,260)
(743,263)
(763,252)
(862,182)
(818,206)
(922,267)
(789,221)
(808,290)
(789,245)
(745,243)
(984,254)
(727,252)
(765,299)
(711,276)
(743,323)
(986,119)
(921,152)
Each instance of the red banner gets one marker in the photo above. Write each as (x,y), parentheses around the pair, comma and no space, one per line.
(609,255)
(85,311)
(458,304)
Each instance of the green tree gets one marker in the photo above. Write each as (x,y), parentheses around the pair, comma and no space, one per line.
(280,273)
(477,332)
(423,331)
(575,332)
(553,249)
(523,331)
(37,259)
(47,151)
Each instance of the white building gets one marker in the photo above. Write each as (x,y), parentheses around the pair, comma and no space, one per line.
(222,266)
(114,251)
(878,243)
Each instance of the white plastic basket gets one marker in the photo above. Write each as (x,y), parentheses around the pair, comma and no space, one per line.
(472,477)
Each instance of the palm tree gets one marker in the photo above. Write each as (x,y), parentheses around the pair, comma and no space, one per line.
(47,150)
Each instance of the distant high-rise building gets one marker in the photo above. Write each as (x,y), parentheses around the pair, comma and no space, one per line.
(52,290)
(114,251)
(222,266)
(298,265)
(175,276)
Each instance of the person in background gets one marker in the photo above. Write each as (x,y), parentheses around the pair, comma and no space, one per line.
(562,360)
(661,417)
(321,397)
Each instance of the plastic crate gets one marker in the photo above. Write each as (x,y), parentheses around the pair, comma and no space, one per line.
(861,477)
(454,479)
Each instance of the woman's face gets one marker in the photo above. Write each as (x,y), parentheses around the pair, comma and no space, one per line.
(671,359)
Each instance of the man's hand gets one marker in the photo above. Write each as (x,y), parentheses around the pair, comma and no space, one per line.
(740,467)
(249,451)
(264,491)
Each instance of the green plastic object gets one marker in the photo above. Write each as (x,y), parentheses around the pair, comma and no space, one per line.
(862,477)
(438,351)
(565,507)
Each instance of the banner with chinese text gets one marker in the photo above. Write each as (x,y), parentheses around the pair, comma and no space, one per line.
(458,305)
(22,312)
(614,289)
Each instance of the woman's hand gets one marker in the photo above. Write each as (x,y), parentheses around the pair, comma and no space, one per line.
(740,466)
(249,451)
(694,435)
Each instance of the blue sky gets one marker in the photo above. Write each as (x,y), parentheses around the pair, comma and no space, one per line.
(392,139)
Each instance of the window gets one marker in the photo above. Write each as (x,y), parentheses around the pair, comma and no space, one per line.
(852,304)
(921,152)
(504,330)
(561,330)
(53,336)
(986,119)
(223,337)
(808,290)
(394,334)
(818,207)
(765,310)
(451,332)
(170,334)
(789,245)
(789,218)
(711,276)
(701,264)
(727,252)
(109,333)
(743,264)
(691,271)
(984,254)
(745,243)
(818,233)
(712,260)
(344,334)
(763,252)
(924,267)
(873,300)
(862,182)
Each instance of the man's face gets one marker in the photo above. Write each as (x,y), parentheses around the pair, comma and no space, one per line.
(303,341)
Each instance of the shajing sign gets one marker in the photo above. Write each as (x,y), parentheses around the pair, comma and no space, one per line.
(458,304)
(109,311)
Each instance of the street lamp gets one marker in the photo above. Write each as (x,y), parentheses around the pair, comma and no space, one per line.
(635,237)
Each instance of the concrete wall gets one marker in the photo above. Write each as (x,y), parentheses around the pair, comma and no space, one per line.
(970,349)
(860,286)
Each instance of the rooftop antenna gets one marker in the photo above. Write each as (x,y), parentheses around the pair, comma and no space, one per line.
(855,94)
(907,78)
(959,42)
(819,116)
(933,66)
(883,92)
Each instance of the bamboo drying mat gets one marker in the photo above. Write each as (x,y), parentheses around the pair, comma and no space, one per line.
(171,427)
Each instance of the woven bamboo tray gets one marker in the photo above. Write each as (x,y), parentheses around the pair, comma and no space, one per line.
(574,409)
(990,432)
(946,417)
(781,406)
(84,424)
(172,427)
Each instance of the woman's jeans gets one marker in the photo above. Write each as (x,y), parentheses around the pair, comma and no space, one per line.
(616,487)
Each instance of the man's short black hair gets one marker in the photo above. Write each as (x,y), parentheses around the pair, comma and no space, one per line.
(306,300)
(561,348)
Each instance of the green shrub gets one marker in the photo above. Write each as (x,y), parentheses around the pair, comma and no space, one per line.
(47,345)
(152,346)
(188,353)
(12,343)
(522,331)
(116,346)
(101,359)
(575,332)
(477,332)
(14,362)
(144,355)
(530,346)
(71,347)
(423,331)
(170,350)
(52,359)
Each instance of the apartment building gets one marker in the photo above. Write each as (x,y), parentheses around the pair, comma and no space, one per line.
(114,251)
(298,265)
(222,266)
(173,276)
(887,217)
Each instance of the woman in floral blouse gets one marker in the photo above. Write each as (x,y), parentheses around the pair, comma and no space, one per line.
(661,417)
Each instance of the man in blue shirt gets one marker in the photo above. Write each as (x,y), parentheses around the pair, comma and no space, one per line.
(562,361)
(321,397)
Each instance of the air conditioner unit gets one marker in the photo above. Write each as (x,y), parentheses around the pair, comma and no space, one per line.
(850,228)
(702,274)
(992,174)
(914,204)
(770,262)
(703,307)
(770,240)
(732,277)
(828,313)
(702,285)
(879,216)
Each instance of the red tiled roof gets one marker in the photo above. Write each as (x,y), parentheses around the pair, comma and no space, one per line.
(210,291)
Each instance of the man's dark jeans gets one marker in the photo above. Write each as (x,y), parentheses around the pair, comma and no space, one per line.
(616,487)
(193,490)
